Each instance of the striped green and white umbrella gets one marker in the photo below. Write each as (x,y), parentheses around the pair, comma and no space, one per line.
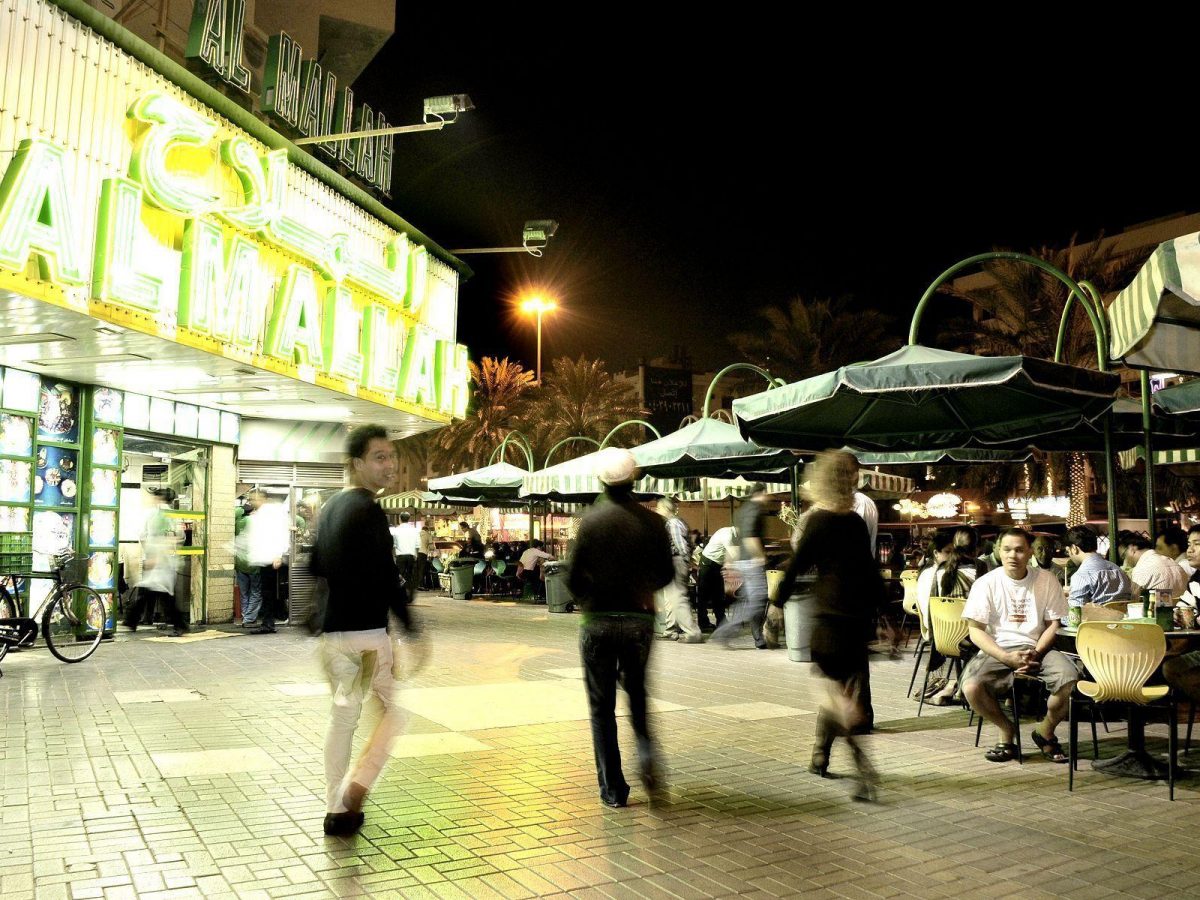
(575,481)
(1183,456)
(715,489)
(414,500)
(1155,322)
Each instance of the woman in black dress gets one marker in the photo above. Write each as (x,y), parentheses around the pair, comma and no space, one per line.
(848,594)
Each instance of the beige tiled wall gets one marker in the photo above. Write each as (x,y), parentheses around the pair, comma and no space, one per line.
(221,578)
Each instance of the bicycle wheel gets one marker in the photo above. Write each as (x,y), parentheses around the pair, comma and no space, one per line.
(8,606)
(73,623)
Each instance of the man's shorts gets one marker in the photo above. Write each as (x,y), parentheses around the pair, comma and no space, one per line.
(1057,672)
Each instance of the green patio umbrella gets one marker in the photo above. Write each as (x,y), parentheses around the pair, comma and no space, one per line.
(932,457)
(711,448)
(921,398)
(575,481)
(1127,431)
(499,481)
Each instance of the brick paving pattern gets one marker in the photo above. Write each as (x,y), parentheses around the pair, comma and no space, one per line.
(160,769)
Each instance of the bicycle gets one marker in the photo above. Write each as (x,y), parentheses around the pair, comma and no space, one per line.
(72,616)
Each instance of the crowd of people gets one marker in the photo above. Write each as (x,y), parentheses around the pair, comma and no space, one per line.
(1016,596)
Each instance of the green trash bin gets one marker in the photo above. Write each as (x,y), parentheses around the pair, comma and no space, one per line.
(558,595)
(462,575)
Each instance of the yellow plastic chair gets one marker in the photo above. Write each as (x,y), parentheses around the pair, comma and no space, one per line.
(949,630)
(923,638)
(1121,657)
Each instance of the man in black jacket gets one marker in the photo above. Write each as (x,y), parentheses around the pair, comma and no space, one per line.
(353,552)
(622,556)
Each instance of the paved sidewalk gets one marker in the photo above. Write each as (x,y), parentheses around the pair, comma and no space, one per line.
(167,769)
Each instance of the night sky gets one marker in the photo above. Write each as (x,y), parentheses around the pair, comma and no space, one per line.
(703,168)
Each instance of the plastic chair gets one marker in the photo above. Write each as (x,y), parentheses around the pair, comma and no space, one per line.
(1121,657)
(949,630)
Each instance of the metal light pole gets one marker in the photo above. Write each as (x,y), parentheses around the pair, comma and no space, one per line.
(539,306)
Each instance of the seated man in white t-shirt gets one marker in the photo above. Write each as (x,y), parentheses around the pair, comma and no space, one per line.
(1014,613)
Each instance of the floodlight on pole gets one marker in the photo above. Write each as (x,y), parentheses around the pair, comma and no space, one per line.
(439,112)
(534,237)
(539,306)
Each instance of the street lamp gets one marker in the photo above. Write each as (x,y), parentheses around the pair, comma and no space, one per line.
(538,306)
(534,237)
(444,109)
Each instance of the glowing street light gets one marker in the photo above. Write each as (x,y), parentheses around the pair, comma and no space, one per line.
(538,306)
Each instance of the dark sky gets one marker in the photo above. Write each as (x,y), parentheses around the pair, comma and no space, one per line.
(701,168)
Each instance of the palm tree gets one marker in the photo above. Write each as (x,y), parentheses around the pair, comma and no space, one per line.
(1018,313)
(579,398)
(499,401)
(808,337)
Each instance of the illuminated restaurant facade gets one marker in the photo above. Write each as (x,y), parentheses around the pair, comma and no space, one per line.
(173,271)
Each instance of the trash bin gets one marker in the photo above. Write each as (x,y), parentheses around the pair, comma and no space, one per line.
(462,576)
(558,596)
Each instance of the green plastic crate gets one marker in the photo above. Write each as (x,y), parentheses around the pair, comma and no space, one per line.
(16,552)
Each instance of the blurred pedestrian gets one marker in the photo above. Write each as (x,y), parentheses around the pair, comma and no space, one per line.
(268,540)
(677,621)
(617,623)
(848,595)
(406,539)
(751,564)
(160,563)
(354,554)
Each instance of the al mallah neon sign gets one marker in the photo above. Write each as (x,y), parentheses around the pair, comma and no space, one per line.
(240,289)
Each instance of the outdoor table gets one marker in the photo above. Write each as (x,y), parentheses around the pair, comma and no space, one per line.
(1135,762)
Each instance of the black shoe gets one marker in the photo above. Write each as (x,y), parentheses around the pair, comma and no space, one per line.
(614,804)
(263,630)
(342,824)
(178,632)
(129,626)
(819,764)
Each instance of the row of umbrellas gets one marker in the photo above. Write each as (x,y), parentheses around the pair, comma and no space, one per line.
(922,404)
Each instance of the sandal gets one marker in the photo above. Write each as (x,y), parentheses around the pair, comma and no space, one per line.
(1050,747)
(1001,753)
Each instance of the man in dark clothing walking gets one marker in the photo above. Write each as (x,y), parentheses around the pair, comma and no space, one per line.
(353,552)
(617,628)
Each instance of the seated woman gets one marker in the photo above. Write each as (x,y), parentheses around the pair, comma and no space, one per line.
(951,575)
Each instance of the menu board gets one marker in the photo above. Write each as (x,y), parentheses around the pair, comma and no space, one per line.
(101,573)
(15,477)
(55,483)
(104,447)
(102,528)
(107,405)
(104,487)
(58,413)
(16,435)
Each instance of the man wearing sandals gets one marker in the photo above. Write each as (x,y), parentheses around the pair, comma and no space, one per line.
(1014,613)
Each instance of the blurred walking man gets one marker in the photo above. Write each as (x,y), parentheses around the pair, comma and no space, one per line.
(678,620)
(617,627)
(752,564)
(353,553)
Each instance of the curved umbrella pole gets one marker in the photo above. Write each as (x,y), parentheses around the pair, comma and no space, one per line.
(523,445)
(1090,301)
(567,440)
(1094,307)
(608,437)
(772,381)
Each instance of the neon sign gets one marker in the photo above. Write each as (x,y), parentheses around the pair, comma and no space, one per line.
(252,277)
(296,92)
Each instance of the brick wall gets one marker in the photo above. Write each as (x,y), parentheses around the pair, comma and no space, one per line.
(221,580)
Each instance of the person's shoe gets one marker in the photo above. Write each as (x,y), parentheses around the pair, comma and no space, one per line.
(254,623)
(342,824)
(668,636)
(819,764)
(613,804)
(263,630)
(864,792)
(129,627)
(178,632)
(761,645)
(691,639)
